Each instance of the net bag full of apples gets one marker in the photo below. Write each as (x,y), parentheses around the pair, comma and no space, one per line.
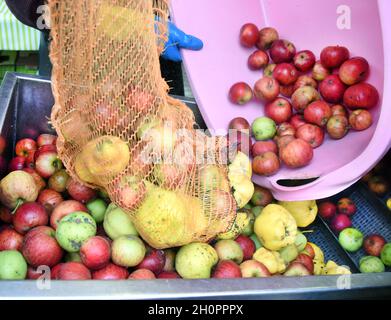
(118,129)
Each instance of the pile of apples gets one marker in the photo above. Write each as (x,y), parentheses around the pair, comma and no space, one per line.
(303,99)
(352,240)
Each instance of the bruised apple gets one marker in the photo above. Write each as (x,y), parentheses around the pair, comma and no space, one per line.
(339,110)
(65,208)
(319,72)
(49,199)
(313,134)
(337,127)
(40,182)
(361,96)
(304,96)
(360,119)
(266,38)
(266,89)
(298,153)
(268,71)
(286,129)
(303,81)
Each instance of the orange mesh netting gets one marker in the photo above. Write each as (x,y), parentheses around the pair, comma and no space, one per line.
(114,118)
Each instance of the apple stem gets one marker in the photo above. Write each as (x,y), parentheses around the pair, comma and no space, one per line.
(18,204)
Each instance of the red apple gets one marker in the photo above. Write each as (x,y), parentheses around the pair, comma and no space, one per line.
(168,275)
(95,253)
(346,206)
(153,261)
(332,89)
(360,119)
(266,89)
(239,141)
(312,134)
(305,260)
(240,93)
(33,274)
(80,192)
(142,274)
(41,248)
(286,129)
(45,139)
(266,164)
(16,163)
(6,215)
(297,121)
(227,269)
(305,80)
(337,127)
(10,239)
(132,190)
(261,147)
(268,71)
(261,197)
(354,70)
(280,110)
(63,209)
(287,91)
(303,97)
(282,51)
(378,185)
(333,56)
(298,153)
(318,113)
(28,216)
(249,35)
(361,96)
(43,149)
(111,272)
(47,163)
(340,222)
(254,269)
(24,147)
(304,60)
(240,124)
(327,210)
(286,74)
(309,250)
(266,38)
(49,199)
(54,271)
(258,60)
(373,244)
(30,160)
(247,245)
(73,271)
(319,72)
(339,110)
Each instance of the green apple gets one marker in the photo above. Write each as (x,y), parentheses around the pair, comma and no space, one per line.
(385,255)
(264,128)
(196,260)
(229,250)
(289,253)
(257,210)
(128,251)
(248,206)
(74,229)
(97,209)
(117,223)
(351,239)
(12,265)
(249,228)
(300,241)
(370,264)
(255,239)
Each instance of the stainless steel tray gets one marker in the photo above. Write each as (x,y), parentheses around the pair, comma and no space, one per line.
(25,104)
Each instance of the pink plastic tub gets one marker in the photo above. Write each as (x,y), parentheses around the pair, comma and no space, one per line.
(310,25)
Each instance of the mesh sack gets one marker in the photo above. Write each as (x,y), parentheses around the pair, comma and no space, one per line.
(120,131)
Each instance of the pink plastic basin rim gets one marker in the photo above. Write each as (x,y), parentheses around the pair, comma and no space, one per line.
(310,25)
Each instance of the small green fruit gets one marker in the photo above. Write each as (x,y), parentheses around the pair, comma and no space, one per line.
(371,264)
(300,241)
(117,223)
(12,265)
(128,251)
(351,239)
(258,243)
(289,253)
(97,209)
(385,255)
(264,128)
